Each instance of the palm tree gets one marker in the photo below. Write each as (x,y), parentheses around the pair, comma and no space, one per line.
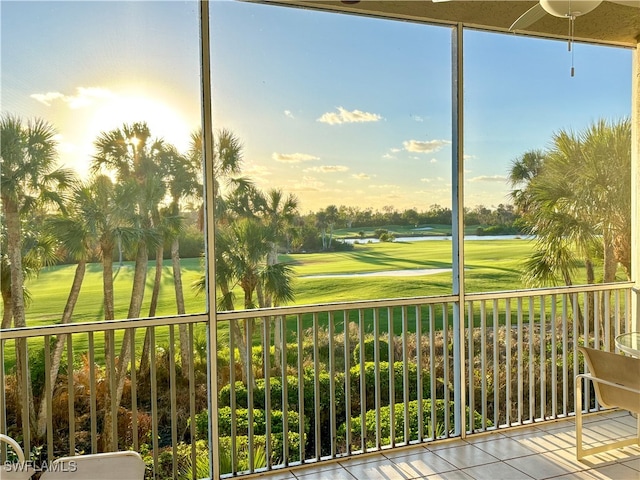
(74,234)
(575,198)
(133,157)
(29,179)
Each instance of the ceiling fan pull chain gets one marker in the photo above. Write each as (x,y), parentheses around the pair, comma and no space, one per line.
(572,19)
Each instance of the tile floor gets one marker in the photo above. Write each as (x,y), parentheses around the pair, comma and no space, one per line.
(538,452)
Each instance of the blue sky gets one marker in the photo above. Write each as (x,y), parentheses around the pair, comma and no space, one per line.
(336,109)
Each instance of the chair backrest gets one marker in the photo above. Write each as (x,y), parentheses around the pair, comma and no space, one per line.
(99,466)
(615,368)
(15,471)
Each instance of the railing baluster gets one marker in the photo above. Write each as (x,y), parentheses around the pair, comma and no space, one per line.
(507,337)
(3,404)
(392,383)
(532,383)
(496,357)
(173,399)
(302,416)
(470,369)
(405,370)
(432,371)
(347,380)
(266,366)
(248,335)
(112,393)
(520,367)
(447,371)
(316,386)
(554,358)
(192,405)
(376,360)
(71,397)
(154,398)
(134,392)
(48,389)
(543,363)
(483,362)
(363,386)
(285,389)
(420,363)
(565,353)
(332,385)
(93,410)
(232,395)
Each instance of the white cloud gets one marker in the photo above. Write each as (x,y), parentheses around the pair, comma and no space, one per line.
(327,169)
(293,157)
(308,184)
(385,186)
(426,180)
(255,170)
(433,160)
(418,118)
(388,156)
(346,116)
(287,113)
(424,147)
(468,157)
(361,176)
(489,178)
(84,97)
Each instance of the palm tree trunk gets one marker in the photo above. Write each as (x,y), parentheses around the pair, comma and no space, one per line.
(7,315)
(60,341)
(144,358)
(14,253)
(185,352)
(137,296)
(109,314)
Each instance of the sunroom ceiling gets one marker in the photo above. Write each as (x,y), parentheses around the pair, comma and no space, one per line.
(608,23)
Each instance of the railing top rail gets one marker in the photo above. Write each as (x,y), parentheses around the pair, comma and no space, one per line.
(536,292)
(334,306)
(85,327)
(100,326)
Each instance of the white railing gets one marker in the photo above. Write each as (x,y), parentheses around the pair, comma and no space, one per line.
(293,385)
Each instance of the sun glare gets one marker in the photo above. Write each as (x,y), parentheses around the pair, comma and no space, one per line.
(164,121)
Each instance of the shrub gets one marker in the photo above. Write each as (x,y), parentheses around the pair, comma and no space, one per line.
(242,422)
(369,351)
(399,427)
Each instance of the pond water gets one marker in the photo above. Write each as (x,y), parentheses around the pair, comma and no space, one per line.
(440,238)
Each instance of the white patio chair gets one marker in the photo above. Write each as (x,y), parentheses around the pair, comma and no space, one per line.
(125,465)
(616,381)
(15,471)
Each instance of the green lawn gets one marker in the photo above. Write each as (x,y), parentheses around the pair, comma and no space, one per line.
(491,265)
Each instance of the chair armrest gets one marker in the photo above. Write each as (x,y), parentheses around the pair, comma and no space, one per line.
(606,382)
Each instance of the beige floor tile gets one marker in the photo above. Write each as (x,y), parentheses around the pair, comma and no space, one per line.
(325,474)
(453,475)
(544,442)
(464,456)
(505,448)
(496,471)
(383,469)
(421,464)
(611,472)
(546,465)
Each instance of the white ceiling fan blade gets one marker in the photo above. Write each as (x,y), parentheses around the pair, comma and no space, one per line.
(529,17)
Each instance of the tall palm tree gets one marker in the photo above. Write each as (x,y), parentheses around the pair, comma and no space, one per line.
(29,178)
(575,198)
(132,156)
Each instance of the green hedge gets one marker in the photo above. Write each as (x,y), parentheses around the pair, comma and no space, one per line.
(385,423)
(242,422)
